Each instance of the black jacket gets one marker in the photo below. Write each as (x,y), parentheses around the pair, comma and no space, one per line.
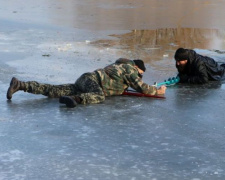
(201,69)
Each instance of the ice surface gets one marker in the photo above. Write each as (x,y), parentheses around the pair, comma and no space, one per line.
(180,137)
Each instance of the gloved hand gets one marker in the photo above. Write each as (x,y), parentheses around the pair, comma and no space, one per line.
(183,77)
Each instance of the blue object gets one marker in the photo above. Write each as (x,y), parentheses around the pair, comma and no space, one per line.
(169,82)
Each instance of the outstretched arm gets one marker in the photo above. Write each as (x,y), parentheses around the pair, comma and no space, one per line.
(137,83)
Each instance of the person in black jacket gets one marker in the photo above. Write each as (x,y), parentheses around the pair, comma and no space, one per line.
(197,69)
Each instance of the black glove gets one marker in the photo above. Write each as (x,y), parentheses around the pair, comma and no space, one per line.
(183,77)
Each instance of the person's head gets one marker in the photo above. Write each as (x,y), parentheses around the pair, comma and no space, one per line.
(181,56)
(139,64)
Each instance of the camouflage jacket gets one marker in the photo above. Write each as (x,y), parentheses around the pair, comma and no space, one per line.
(117,77)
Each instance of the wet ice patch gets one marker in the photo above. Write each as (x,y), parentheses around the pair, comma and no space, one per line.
(48,60)
(85,132)
(4,37)
(136,105)
(218,55)
(127,6)
(11,156)
(61,62)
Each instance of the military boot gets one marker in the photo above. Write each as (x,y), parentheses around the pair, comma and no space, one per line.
(70,101)
(15,85)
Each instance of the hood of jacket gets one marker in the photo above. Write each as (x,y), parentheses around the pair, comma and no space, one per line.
(214,70)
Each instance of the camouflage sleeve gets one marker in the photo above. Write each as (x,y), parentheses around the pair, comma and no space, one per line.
(135,82)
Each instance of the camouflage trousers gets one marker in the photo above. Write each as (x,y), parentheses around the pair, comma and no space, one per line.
(87,87)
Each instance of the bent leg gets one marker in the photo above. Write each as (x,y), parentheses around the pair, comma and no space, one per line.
(90,89)
(53,91)
(91,98)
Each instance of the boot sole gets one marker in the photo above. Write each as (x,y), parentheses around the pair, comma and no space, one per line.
(13,83)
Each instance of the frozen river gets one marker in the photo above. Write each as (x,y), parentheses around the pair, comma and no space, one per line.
(124,138)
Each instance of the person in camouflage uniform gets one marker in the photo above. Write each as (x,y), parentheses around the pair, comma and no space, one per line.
(92,87)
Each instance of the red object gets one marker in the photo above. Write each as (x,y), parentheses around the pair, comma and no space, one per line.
(142,95)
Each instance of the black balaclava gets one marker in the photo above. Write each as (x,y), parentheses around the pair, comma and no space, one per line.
(140,64)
